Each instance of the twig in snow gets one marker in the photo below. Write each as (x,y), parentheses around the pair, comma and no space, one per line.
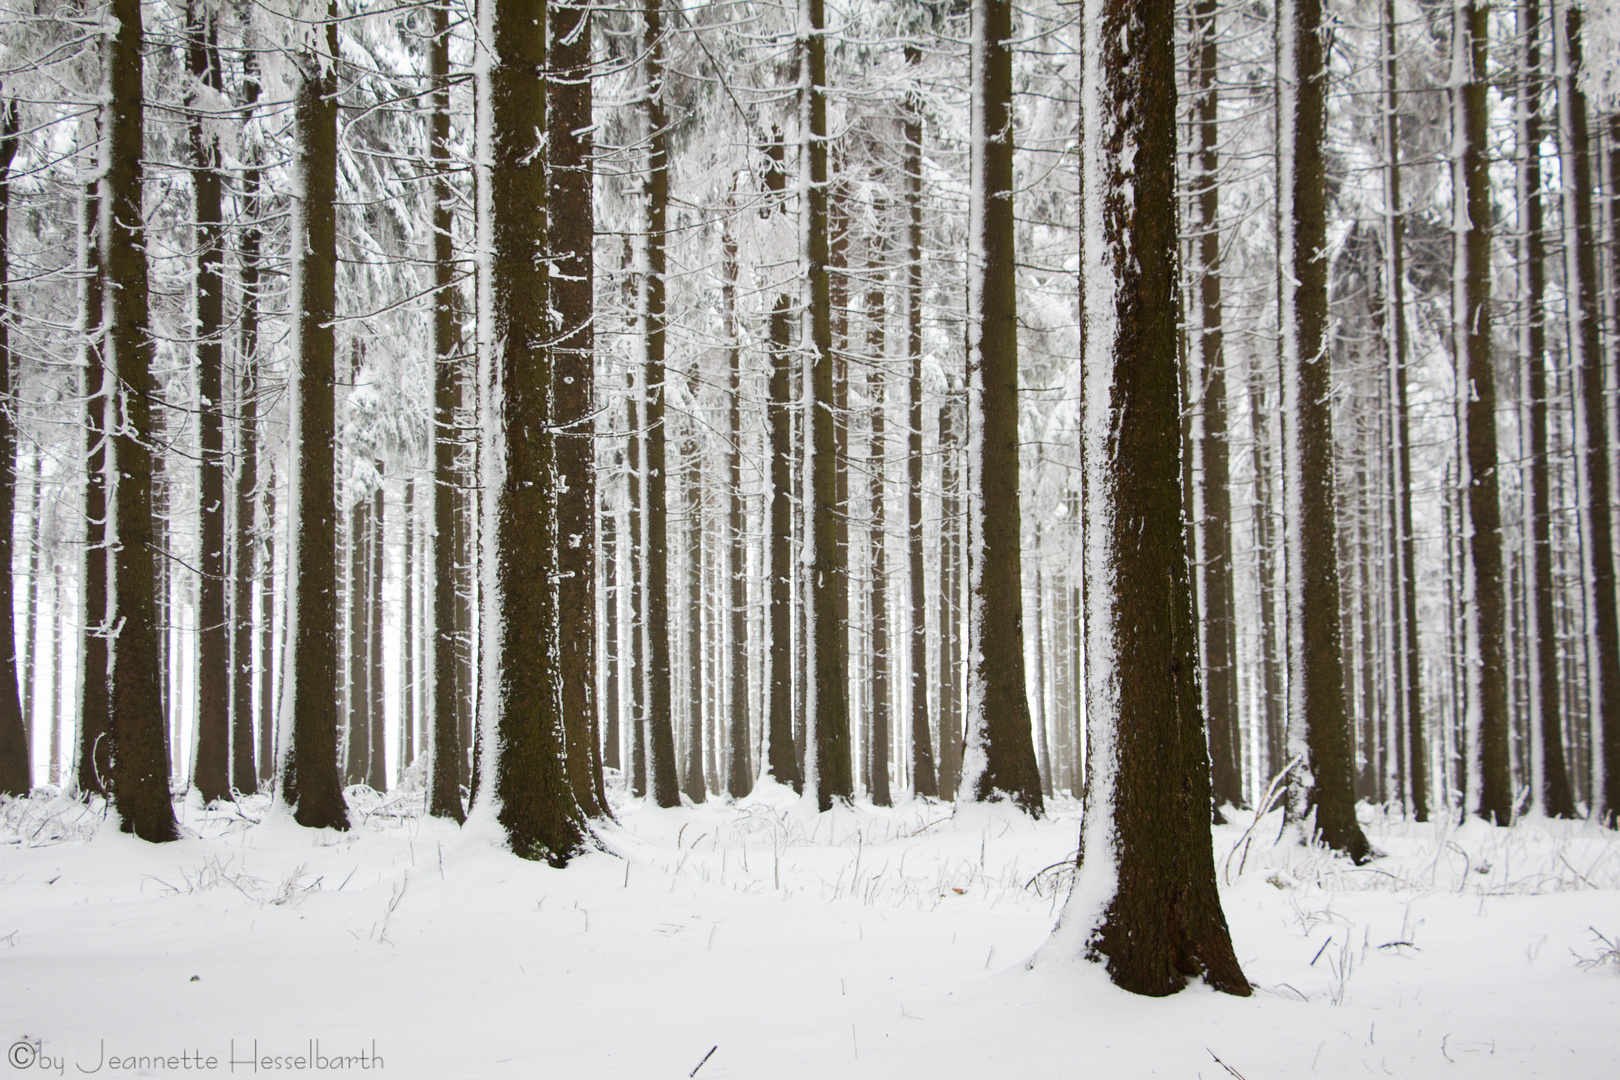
(706,1057)
(1224,1065)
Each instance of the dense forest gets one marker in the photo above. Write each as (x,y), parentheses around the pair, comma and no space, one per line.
(514,403)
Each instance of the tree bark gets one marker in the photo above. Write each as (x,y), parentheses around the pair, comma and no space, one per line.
(94,769)
(573,391)
(1000,758)
(446,749)
(211,769)
(530,782)
(310,782)
(924,777)
(1145,901)
(16,762)
(662,767)
(828,576)
(140,767)
(1317,673)
(1484,544)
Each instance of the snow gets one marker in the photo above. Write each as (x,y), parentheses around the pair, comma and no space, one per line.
(857,942)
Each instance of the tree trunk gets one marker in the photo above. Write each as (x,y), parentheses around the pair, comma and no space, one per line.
(781,761)
(1316,662)
(738,777)
(211,770)
(950,642)
(1145,901)
(1407,659)
(94,769)
(1587,361)
(140,772)
(877,470)
(376,714)
(1484,542)
(447,751)
(830,760)
(252,536)
(573,390)
(638,598)
(1000,758)
(16,762)
(694,786)
(357,741)
(310,781)
(528,774)
(407,632)
(1220,658)
(662,766)
(924,777)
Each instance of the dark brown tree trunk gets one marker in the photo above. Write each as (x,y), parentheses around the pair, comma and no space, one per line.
(950,642)
(244,776)
(1318,680)
(94,769)
(781,760)
(739,778)
(16,771)
(140,767)
(252,536)
(877,466)
(924,777)
(447,750)
(573,391)
(1484,541)
(997,691)
(694,786)
(407,632)
(310,782)
(530,783)
(662,766)
(830,724)
(1581,259)
(1407,658)
(356,738)
(376,548)
(211,769)
(1146,842)
(1220,658)
(611,655)
(637,585)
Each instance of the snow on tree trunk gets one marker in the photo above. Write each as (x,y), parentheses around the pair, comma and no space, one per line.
(1144,902)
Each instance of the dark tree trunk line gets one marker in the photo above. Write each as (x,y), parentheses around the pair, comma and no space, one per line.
(310,781)
(1001,749)
(446,753)
(16,764)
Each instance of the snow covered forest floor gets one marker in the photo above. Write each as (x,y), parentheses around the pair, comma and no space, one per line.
(861,942)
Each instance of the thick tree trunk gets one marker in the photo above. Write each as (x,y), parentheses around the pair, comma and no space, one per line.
(530,783)
(1145,900)
(781,760)
(140,768)
(252,534)
(573,390)
(310,782)
(830,724)
(1000,758)
(447,751)
(211,770)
